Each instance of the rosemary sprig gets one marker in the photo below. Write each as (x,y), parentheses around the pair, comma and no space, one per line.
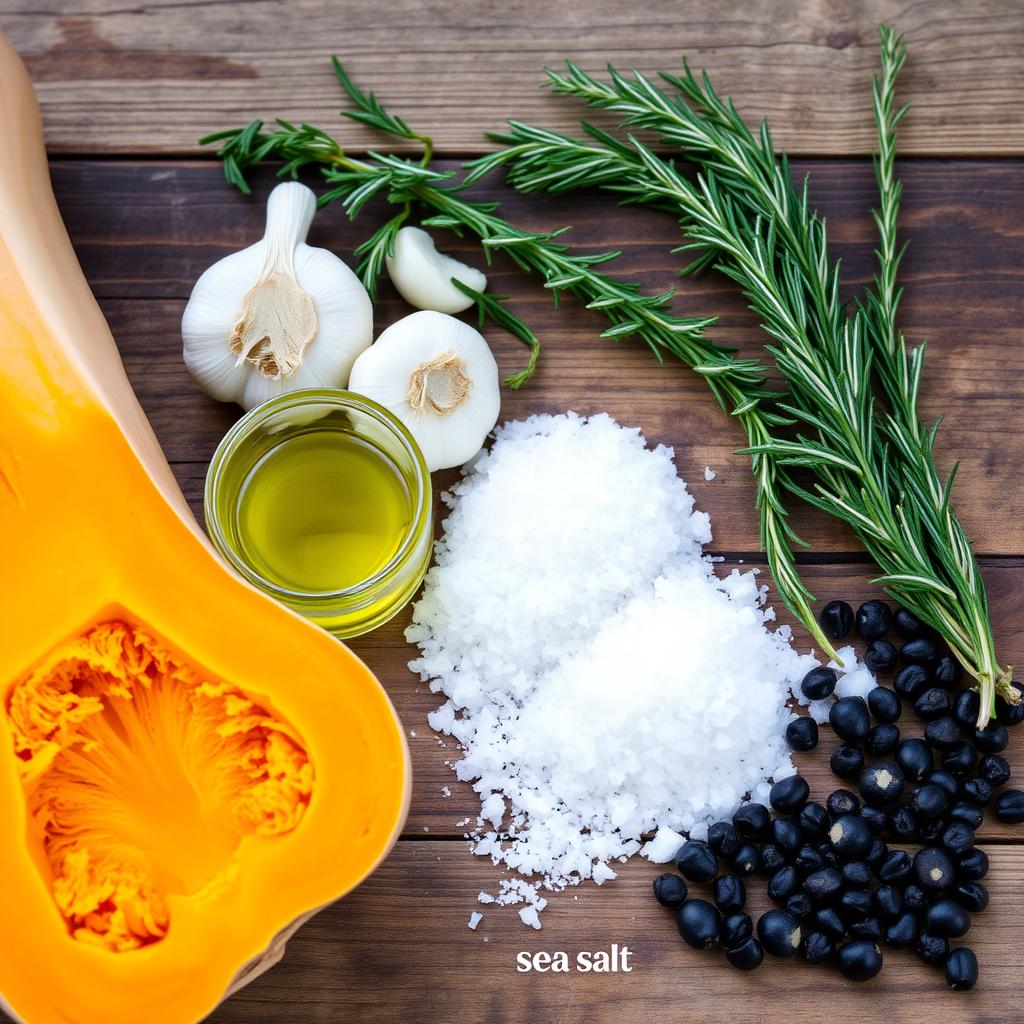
(875,473)
(490,307)
(737,384)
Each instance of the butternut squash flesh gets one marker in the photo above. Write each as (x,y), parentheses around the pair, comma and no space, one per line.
(187,769)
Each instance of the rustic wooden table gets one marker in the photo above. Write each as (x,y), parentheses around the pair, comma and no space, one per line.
(127,89)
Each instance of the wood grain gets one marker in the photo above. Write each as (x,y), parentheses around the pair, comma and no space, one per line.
(357,961)
(153,78)
(145,231)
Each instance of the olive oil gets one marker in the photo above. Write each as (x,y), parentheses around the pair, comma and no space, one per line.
(322,511)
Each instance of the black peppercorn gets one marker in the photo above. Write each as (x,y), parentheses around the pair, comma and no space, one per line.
(880,655)
(920,651)
(849,719)
(836,619)
(967,707)
(902,824)
(907,624)
(779,932)
(724,839)
(958,838)
(961,757)
(819,683)
(903,931)
(823,886)
(914,756)
(827,920)
(736,929)
(859,960)
(772,858)
(802,733)
(883,739)
(887,901)
(746,860)
(972,866)
(873,619)
(947,918)
(842,801)
(882,782)
(948,671)
(962,969)
(788,795)
(846,761)
(972,896)
(929,800)
(995,770)
(818,948)
(933,869)
(895,867)
(931,703)
(910,681)
(943,733)
(992,739)
(970,814)
(729,893)
(850,837)
(669,890)
(813,820)
(914,898)
(933,949)
(696,861)
(947,780)
(699,924)
(752,820)
(1010,807)
(747,956)
(978,791)
(786,835)
(874,818)
(885,704)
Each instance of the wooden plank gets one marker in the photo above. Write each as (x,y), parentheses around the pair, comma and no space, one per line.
(154,78)
(398,949)
(147,230)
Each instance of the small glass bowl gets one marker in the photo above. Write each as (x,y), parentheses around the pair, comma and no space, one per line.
(368,604)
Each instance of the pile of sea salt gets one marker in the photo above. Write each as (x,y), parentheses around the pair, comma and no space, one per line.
(603,683)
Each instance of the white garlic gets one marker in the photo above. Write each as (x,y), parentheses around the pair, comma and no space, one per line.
(277,316)
(423,276)
(437,375)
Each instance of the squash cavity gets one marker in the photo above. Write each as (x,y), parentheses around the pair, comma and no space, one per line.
(142,774)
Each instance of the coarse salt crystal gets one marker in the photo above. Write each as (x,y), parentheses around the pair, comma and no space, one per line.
(709,473)
(474,919)
(603,683)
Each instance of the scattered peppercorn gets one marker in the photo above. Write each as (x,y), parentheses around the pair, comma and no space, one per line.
(920,651)
(747,956)
(911,680)
(696,861)
(1010,807)
(752,820)
(907,624)
(819,683)
(882,782)
(699,923)
(836,620)
(962,969)
(779,932)
(933,869)
(859,960)
(947,918)
(670,890)
(849,719)
(802,733)
(873,619)
(846,761)
(880,655)
(736,929)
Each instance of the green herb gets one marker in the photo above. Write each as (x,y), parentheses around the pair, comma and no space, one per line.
(737,384)
(873,469)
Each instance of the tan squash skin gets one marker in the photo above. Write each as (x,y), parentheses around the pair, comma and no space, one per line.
(93,527)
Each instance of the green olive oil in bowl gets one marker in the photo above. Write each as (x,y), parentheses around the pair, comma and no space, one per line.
(321,498)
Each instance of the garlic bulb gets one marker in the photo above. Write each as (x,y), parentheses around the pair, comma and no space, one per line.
(277,316)
(437,375)
(423,275)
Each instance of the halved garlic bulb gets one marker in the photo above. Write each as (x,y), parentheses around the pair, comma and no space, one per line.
(423,276)
(277,316)
(437,375)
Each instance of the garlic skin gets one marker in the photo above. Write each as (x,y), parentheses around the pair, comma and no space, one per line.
(277,316)
(437,375)
(423,275)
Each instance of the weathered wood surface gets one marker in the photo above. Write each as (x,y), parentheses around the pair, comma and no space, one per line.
(145,231)
(153,78)
(146,81)
(402,941)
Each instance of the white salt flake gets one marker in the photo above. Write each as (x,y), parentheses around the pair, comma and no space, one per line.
(709,473)
(474,919)
(445,791)
(602,682)
(529,915)
(664,846)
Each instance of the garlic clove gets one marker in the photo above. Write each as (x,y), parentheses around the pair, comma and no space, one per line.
(423,275)
(438,376)
(277,316)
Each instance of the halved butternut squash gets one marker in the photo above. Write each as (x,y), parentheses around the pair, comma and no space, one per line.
(187,769)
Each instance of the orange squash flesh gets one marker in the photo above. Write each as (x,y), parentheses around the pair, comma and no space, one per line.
(248,768)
